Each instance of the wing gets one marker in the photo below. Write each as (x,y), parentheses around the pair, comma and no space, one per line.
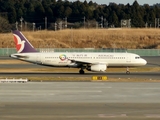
(86,62)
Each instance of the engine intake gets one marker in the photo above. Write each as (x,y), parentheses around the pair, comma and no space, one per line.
(97,67)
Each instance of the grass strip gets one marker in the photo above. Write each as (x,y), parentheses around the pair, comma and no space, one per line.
(81,79)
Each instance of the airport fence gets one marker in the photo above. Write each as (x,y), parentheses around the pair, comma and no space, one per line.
(141,52)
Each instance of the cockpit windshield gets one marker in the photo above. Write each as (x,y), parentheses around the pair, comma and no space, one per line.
(137,57)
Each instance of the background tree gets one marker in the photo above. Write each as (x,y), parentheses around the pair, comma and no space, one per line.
(39,14)
(68,12)
(137,16)
(36,10)
(4,25)
(30,12)
(12,15)
(113,19)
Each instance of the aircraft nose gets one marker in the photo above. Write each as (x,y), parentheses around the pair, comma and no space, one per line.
(144,62)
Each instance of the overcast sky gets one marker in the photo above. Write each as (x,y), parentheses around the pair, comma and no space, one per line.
(141,2)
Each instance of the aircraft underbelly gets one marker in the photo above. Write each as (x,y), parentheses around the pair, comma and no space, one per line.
(56,63)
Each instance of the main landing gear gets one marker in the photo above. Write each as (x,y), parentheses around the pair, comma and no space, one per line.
(127,70)
(81,71)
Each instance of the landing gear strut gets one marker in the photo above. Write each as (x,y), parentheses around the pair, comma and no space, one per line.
(127,70)
(81,71)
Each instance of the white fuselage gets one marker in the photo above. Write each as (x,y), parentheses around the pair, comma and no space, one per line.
(77,59)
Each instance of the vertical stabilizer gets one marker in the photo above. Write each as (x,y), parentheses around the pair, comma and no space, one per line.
(22,44)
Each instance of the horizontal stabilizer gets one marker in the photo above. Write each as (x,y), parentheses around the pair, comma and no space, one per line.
(18,56)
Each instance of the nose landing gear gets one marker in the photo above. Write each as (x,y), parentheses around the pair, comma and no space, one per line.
(127,70)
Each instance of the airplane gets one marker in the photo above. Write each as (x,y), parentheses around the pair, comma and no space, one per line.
(95,62)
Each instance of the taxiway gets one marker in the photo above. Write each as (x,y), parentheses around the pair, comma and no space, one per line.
(79,101)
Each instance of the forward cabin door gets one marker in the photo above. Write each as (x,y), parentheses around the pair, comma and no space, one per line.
(128,58)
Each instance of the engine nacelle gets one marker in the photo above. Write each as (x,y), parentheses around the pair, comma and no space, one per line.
(97,67)
(73,65)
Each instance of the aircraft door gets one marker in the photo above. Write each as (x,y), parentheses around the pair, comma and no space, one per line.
(128,58)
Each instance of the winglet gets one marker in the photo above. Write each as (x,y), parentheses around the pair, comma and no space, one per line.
(22,44)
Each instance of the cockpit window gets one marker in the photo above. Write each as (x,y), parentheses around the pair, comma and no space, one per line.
(137,57)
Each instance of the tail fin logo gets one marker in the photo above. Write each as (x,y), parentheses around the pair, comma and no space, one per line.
(19,43)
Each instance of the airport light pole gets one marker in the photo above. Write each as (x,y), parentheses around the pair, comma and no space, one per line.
(101,21)
(25,26)
(16,25)
(34,26)
(84,21)
(45,20)
(65,22)
(157,22)
(21,19)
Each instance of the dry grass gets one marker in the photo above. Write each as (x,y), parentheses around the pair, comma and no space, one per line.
(76,70)
(13,62)
(89,38)
(86,79)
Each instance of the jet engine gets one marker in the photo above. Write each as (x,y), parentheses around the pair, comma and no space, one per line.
(97,67)
(73,65)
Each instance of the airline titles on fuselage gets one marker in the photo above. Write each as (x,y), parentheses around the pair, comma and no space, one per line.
(64,58)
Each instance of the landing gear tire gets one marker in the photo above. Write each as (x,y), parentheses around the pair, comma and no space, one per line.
(127,72)
(81,71)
